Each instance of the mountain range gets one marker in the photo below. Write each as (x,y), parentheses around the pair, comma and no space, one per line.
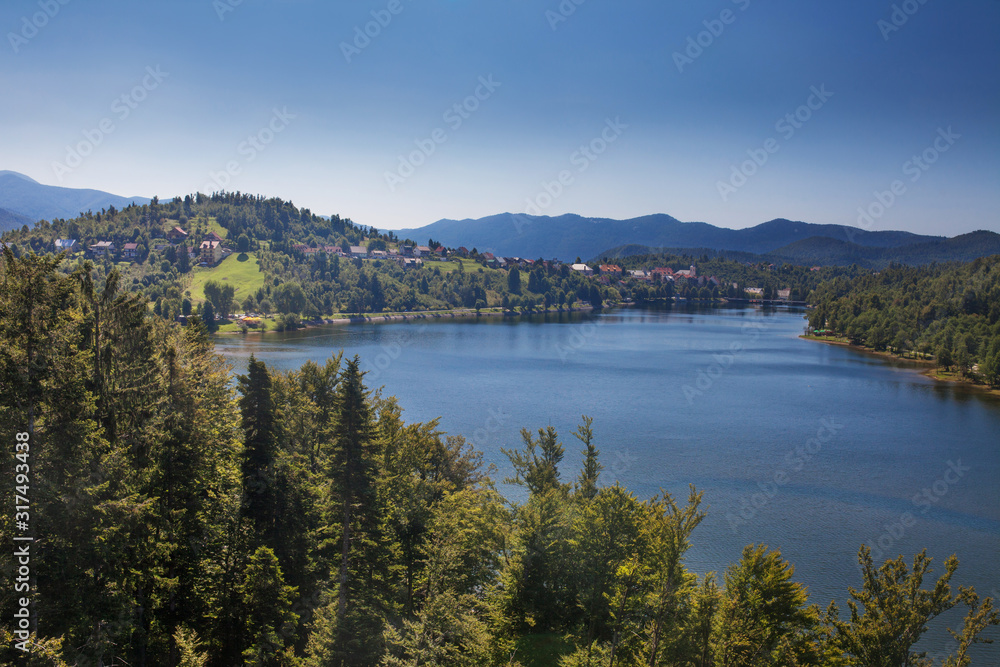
(24,201)
(569,236)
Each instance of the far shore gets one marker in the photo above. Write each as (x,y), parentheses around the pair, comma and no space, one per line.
(927,367)
(421,315)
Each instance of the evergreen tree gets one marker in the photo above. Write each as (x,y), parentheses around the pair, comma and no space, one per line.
(208,316)
(514,280)
(258,416)
(587,485)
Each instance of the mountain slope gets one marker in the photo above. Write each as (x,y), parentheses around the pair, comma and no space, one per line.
(11,220)
(27,197)
(569,236)
(834,252)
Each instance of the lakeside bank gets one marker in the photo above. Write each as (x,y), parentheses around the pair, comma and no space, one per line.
(926,367)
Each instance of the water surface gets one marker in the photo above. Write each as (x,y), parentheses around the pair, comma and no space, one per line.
(810,448)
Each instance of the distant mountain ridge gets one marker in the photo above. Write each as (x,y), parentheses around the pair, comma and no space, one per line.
(826,251)
(27,201)
(569,236)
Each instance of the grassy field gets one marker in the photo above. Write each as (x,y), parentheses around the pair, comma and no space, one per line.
(214,226)
(452,265)
(239,270)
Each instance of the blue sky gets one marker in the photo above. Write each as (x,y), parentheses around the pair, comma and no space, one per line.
(263,96)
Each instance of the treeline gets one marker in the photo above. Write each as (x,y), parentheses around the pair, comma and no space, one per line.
(950,312)
(324,284)
(297,520)
(270,220)
(770,277)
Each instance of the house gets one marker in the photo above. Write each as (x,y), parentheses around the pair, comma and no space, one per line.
(463,251)
(441,252)
(379,254)
(130,250)
(755,291)
(210,252)
(583,268)
(406,250)
(333,250)
(662,273)
(409,262)
(211,236)
(177,234)
(687,273)
(785,294)
(359,251)
(421,251)
(68,245)
(715,281)
(639,275)
(102,248)
(488,256)
(611,269)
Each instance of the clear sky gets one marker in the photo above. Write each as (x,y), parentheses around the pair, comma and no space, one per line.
(670,99)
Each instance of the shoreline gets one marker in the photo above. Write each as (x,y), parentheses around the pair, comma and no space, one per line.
(925,367)
(420,315)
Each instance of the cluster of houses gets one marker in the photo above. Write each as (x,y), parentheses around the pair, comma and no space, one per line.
(407,256)
(754,293)
(498,262)
(608,273)
(209,253)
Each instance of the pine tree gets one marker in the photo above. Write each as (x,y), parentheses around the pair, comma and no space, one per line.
(260,438)
(514,280)
(589,475)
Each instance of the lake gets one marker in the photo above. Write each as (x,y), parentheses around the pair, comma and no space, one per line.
(810,448)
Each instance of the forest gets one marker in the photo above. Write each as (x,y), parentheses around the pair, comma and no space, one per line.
(295,285)
(182,516)
(950,312)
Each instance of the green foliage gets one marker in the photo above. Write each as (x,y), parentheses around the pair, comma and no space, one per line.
(279,272)
(952,310)
(763,617)
(296,519)
(891,612)
(537,466)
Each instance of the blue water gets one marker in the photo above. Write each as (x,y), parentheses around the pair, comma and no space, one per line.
(810,448)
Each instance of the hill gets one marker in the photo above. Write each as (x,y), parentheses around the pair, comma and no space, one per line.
(24,196)
(286,261)
(568,236)
(826,251)
(11,220)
